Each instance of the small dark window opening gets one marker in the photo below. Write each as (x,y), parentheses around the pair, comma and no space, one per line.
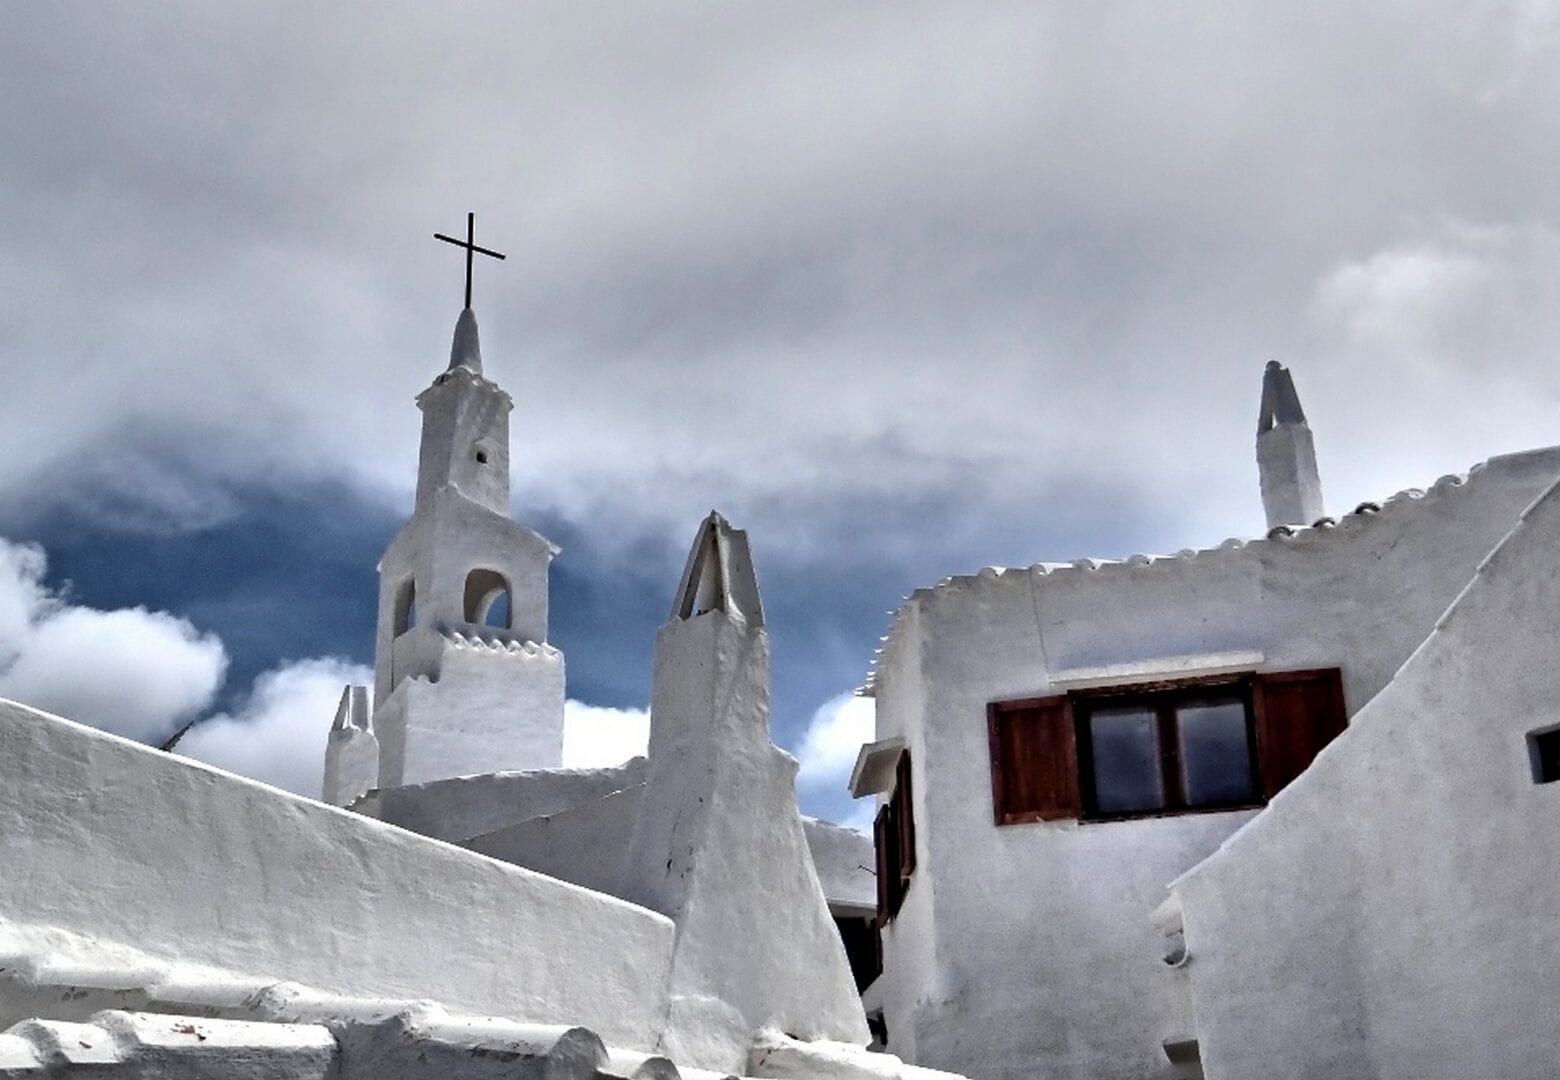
(893,835)
(405,607)
(1544,753)
(481,457)
(1162,752)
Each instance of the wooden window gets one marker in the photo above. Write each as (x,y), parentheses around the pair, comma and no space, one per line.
(893,835)
(1175,747)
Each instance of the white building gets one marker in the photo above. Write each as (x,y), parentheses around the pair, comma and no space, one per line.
(1060,745)
(161,918)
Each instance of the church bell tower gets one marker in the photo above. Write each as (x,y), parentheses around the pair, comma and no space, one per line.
(464,679)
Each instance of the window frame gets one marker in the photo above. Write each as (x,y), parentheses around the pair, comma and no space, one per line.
(1164,698)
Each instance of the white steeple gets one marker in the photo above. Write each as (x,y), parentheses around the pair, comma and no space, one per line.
(718,844)
(464,680)
(1286,454)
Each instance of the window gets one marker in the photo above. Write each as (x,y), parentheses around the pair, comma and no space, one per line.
(1178,747)
(1167,750)
(1544,753)
(893,835)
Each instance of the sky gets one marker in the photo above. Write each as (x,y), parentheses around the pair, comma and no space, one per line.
(902,289)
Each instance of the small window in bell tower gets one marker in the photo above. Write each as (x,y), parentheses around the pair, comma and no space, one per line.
(481,457)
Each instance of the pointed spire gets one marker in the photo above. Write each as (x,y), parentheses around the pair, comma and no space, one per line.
(352,713)
(1280,402)
(465,350)
(719,575)
(1286,454)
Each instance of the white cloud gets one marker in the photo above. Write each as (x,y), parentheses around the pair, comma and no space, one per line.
(595,736)
(141,674)
(832,740)
(1401,299)
(134,672)
(22,595)
(278,735)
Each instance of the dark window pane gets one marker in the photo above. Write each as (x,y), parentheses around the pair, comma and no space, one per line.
(1215,753)
(1125,742)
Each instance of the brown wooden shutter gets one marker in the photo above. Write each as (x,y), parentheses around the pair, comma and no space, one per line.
(906,816)
(883,840)
(1034,760)
(1297,713)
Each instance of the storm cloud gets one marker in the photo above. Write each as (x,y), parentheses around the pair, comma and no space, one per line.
(903,289)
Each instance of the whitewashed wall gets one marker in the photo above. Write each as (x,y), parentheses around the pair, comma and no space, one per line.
(1026,950)
(137,849)
(462,807)
(1393,914)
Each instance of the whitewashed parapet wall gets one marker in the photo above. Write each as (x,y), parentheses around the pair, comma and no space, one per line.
(1392,915)
(460,808)
(112,847)
(1026,950)
(419,1042)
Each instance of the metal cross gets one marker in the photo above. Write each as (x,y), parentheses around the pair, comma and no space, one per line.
(470,246)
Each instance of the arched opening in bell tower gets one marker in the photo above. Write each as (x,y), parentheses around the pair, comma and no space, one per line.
(488,600)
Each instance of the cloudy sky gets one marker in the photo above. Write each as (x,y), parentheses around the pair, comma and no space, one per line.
(904,289)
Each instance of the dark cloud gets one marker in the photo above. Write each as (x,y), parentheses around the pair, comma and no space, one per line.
(903,289)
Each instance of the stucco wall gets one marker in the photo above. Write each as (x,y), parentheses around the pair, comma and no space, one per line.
(106,838)
(1043,961)
(492,708)
(466,806)
(586,843)
(1392,914)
